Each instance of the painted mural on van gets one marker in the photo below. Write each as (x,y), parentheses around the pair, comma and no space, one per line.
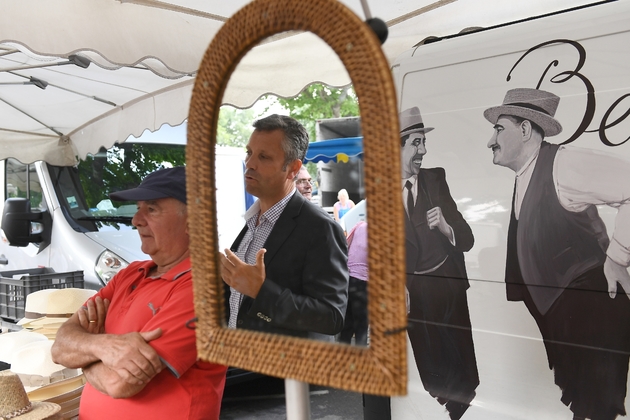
(516,187)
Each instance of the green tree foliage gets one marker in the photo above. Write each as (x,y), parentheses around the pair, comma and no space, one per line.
(124,166)
(235,126)
(317,101)
(320,101)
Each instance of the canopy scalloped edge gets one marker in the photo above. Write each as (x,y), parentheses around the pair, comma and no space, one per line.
(170,106)
(338,150)
(150,62)
(285,96)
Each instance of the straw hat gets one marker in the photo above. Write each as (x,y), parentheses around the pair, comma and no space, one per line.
(14,402)
(535,105)
(66,393)
(54,305)
(45,326)
(35,302)
(10,342)
(34,365)
(411,122)
(49,333)
(60,391)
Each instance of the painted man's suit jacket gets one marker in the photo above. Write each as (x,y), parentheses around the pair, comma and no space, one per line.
(306,283)
(440,196)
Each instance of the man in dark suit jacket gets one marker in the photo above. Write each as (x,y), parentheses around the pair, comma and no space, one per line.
(436,238)
(287,270)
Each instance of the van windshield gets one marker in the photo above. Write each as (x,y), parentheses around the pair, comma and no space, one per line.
(84,190)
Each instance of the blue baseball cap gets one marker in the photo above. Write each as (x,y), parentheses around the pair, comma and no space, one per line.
(163,183)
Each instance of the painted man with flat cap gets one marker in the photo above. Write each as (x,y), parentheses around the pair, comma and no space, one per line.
(560,261)
(436,238)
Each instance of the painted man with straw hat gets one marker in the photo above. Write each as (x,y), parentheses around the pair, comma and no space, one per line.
(436,237)
(131,339)
(560,260)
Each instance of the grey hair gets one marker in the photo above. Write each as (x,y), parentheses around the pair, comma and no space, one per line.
(182,210)
(296,139)
(302,168)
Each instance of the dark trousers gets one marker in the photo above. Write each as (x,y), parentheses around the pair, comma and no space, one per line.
(441,339)
(587,339)
(356,321)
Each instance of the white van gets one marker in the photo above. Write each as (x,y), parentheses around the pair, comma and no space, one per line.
(581,57)
(69,223)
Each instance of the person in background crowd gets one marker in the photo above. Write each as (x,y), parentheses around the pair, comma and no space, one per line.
(356,323)
(342,206)
(304,184)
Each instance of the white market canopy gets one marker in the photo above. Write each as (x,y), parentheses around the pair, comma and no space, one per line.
(144,54)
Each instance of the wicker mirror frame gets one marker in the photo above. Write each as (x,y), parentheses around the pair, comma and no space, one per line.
(381,368)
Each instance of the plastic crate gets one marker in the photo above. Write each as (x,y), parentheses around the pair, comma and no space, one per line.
(17,284)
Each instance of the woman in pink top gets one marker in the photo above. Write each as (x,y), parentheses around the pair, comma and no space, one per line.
(356,322)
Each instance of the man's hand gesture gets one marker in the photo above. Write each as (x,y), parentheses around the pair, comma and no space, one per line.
(245,278)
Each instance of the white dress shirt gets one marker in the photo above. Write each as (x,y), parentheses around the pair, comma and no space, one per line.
(585,177)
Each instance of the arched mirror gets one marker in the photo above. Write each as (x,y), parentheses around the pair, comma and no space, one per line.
(379,368)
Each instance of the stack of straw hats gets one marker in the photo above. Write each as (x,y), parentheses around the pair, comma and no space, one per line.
(46,310)
(28,353)
(65,393)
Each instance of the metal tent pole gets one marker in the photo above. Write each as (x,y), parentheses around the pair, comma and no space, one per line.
(297,400)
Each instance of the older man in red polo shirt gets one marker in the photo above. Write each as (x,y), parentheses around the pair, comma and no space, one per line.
(131,339)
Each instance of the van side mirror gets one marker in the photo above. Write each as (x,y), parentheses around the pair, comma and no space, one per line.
(22,226)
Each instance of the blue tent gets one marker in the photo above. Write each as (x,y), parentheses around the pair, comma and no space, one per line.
(337,150)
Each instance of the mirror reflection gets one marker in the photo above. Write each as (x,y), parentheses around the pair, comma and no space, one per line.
(337,158)
(302,206)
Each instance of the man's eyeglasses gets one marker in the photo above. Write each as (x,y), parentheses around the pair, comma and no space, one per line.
(304,182)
